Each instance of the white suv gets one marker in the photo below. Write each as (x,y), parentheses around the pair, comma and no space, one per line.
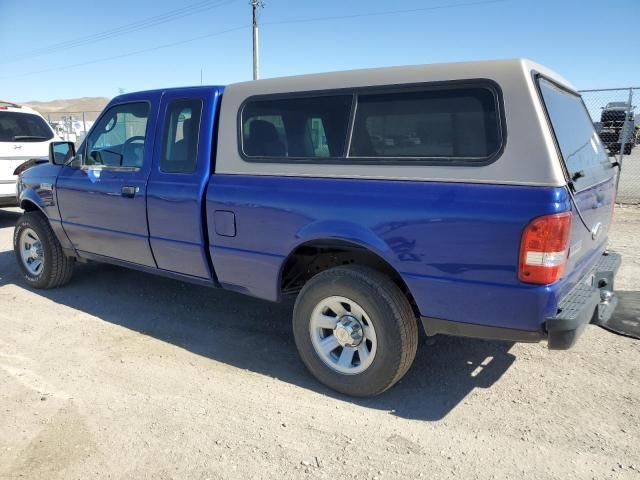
(24,134)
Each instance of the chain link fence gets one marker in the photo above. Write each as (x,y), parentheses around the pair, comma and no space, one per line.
(615,118)
(72,126)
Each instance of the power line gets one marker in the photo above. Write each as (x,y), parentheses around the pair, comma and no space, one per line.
(387,12)
(124,29)
(138,25)
(283,22)
(129,54)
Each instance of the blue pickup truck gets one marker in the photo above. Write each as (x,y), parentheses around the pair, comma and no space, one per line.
(473,199)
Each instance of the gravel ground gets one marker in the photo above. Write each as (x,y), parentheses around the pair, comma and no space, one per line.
(629,186)
(127,375)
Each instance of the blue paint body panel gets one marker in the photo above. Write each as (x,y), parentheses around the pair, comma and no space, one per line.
(175,201)
(95,216)
(37,186)
(456,245)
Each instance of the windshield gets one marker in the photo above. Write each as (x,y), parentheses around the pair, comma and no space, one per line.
(581,148)
(23,127)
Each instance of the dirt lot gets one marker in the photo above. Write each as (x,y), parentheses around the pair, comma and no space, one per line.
(126,375)
(629,187)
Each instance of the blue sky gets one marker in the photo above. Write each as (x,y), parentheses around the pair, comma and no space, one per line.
(591,42)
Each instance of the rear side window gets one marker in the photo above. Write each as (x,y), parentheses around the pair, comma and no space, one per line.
(458,124)
(579,144)
(180,143)
(302,128)
(455,124)
(23,127)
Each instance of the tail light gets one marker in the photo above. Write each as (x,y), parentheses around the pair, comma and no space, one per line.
(544,248)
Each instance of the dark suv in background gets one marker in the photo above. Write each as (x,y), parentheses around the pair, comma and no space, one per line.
(612,129)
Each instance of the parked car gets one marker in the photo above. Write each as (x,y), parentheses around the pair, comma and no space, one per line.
(493,227)
(617,127)
(24,134)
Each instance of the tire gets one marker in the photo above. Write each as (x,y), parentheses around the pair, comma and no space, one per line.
(378,305)
(56,268)
(627,148)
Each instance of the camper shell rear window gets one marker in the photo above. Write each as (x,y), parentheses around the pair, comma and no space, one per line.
(580,148)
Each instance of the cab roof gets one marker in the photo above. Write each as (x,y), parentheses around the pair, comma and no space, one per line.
(137,95)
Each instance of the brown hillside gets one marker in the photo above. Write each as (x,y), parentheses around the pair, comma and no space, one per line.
(84,104)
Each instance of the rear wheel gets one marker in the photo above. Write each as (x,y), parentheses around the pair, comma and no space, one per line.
(39,253)
(355,330)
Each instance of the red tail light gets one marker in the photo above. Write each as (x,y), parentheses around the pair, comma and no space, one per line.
(544,248)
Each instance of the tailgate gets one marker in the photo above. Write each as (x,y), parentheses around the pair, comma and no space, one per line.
(592,176)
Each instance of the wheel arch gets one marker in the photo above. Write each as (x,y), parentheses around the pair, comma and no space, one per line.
(314,255)
(30,206)
(30,201)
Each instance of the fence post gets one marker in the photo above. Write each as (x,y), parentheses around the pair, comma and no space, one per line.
(625,133)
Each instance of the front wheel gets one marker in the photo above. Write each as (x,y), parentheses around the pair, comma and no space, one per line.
(355,330)
(39,254)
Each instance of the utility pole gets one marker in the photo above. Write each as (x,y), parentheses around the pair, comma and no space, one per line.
(255,4)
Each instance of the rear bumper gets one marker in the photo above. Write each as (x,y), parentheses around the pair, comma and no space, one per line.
(592,300)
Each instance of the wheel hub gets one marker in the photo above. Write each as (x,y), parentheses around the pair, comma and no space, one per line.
(348,331)
(31,252)
(343,335)
(35,252)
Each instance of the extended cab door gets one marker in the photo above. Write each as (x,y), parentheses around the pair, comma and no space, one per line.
(101,195)
(178,181)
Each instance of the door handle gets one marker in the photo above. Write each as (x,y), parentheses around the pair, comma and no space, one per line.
(129,192)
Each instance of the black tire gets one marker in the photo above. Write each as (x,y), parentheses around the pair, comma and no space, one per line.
(390,312)
(57,268)
(627,148)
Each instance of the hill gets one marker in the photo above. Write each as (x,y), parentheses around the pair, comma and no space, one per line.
(84,104)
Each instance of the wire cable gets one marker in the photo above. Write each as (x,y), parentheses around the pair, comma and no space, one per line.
(166,17)
(129,54)
(386,12)
(283,22)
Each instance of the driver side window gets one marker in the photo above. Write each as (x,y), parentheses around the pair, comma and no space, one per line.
(118,138)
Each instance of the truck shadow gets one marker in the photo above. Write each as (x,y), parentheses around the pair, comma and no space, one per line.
(256,335)
(8,218)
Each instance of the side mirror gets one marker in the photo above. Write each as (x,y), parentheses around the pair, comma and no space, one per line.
(61,152)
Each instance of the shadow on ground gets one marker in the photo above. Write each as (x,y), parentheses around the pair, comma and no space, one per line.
(226,326)
(626,318)
(8,218)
